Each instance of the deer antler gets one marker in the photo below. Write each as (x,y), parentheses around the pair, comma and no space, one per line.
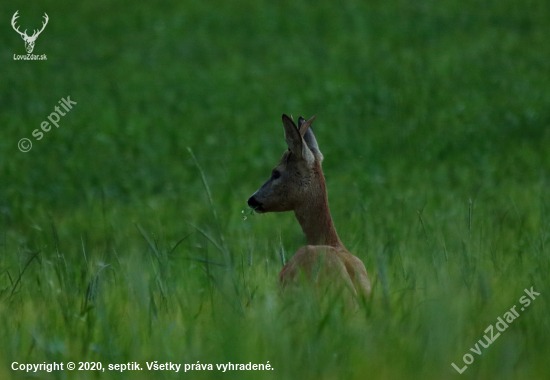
(305,125)
(15,16)
(35,34)
(24,34)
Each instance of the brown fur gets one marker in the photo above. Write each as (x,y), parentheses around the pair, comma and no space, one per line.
(298,184)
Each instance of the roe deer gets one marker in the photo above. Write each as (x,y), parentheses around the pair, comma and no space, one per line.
(298,183)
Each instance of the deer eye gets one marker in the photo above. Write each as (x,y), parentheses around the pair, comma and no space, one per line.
(276,174)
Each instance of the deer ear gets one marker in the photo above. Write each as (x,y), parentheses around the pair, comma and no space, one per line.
(309,137)
(292,136)
(295,141)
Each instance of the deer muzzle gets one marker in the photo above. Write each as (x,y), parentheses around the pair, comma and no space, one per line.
(253,203)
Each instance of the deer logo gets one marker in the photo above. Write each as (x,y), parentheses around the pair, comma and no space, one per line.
(297,184)
(29,41)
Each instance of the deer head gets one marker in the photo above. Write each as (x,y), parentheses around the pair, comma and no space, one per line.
(298,174)
(297,183)
(29,41)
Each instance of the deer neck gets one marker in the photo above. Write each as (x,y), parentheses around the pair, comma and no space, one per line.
(314,216)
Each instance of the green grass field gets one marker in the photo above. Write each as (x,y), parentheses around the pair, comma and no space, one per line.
(434,120)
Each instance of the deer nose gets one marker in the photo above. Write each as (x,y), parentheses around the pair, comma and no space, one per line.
(253,202)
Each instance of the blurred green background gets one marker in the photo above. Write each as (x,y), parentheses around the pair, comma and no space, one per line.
(433,118)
